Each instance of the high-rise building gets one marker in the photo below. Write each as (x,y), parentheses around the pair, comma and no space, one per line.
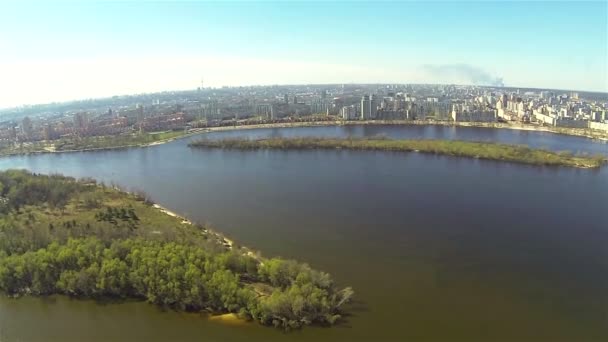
(49,132)
(140,112)
(265,110)
(318,106)
(211,110)
(12,132)
(349,112)
(365,107)
(373,107)
(27,128)
(80,120)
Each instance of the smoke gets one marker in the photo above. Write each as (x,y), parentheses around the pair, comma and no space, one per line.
(460,74)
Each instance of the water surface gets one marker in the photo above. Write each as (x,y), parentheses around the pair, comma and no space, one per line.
(437,248)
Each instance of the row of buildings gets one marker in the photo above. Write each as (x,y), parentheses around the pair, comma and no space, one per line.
(543,108)
(405,107)
(234,105)
(83,124)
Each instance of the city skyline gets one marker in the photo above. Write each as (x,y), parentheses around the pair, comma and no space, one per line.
(73,51)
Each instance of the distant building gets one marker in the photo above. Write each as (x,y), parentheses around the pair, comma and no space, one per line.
(27,127)
(365,107)
(164,122)
(597,116)
(211,110)
(544,117)
(462,113)
(139,108)
(265,110)
(12,132)
(81,121)
(349,112)
(373,102)
(318,106)
(48,132)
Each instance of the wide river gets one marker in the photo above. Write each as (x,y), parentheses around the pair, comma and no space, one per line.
(436,248)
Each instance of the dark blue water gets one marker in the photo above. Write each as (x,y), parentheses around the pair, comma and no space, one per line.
(436,247)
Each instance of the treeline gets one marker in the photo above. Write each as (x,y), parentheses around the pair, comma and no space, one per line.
(179,276)
(107,257)
(19,188)
(481,150)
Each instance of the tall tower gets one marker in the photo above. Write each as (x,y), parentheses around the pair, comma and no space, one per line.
(373,107)
(139,109)
(365,107)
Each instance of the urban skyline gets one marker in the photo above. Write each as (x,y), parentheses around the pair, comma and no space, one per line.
(77,50)
(201,108)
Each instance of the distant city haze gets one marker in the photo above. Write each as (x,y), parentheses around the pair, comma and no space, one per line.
(60,52)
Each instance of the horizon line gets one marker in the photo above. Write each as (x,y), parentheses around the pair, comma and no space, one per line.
(287,85)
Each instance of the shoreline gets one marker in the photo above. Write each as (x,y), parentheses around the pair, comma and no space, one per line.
(491,125)
(224,241)
(217,278)
(221,238)
(142,145)
(457,148)
(584,133)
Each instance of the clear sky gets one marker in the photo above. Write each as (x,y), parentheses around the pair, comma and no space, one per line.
(73,50)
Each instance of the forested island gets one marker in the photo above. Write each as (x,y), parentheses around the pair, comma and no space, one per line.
(59,235)
(482,150)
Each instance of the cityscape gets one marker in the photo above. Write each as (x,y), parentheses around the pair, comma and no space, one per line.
(230,106)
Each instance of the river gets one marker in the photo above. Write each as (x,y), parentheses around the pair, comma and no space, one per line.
(436,248)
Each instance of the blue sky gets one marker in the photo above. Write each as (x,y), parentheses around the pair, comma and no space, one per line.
(55,52)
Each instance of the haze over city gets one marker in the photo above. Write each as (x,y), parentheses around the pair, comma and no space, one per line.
(68,51)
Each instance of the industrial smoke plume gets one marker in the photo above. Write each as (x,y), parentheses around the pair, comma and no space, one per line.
(461,74)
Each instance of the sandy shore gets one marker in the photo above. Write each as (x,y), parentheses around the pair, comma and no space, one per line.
(221,238)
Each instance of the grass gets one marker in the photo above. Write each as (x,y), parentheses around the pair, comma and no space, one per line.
(481,150)
(154,224)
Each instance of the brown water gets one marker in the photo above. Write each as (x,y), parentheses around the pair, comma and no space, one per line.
(436,248)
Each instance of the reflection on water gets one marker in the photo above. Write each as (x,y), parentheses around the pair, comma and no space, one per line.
(436,248)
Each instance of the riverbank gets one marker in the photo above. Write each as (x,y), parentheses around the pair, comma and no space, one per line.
(479,150)
(50,148)
(87,240)
(587,133)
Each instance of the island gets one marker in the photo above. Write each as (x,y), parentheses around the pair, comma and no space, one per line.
(480,150)
(84,239)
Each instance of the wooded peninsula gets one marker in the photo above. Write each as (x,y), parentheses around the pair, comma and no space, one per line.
(59,235)
(481,150)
